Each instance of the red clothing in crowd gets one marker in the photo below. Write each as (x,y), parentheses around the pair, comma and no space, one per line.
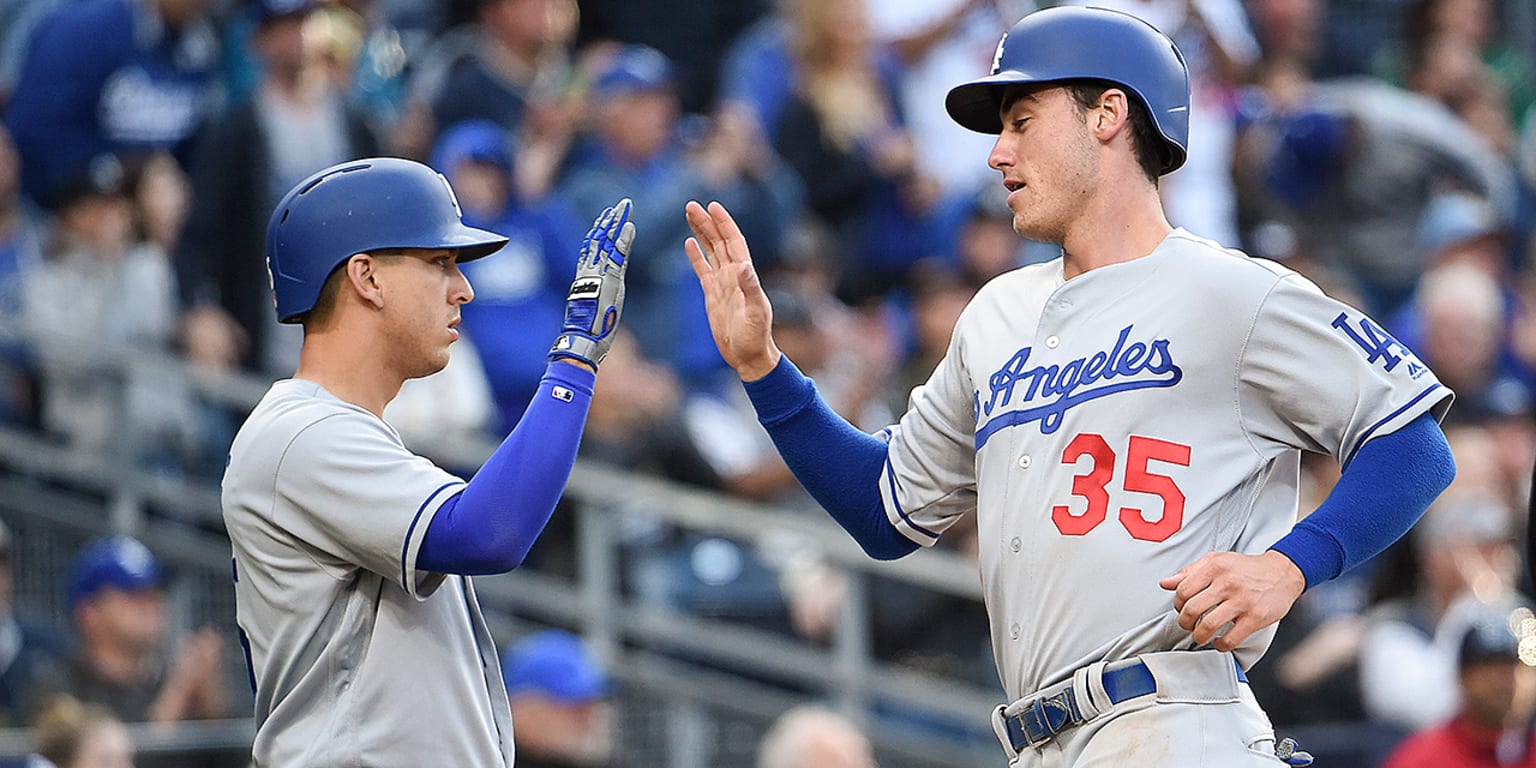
(1461,743)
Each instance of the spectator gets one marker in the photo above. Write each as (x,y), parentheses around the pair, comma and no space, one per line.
(118,608)
(814,737)
(21,253)
(636,419)
(1466,559)
(515,57)
(1288,32)
(75,735)
(1492,727)
(1448,69)
(938,296)
(1464,242)
(637,143)
(17,20)
(1465,338)
(851,357)
(559,696)
(162,196)
(144,82)
(636,423)
(123,303)
(1350,167)
(844,132)
(1311,672)
(692,34)
(295,124)
(519,295)
(380,65)
(1442,66)
(939,44)
(973,234)
(917,629)
(1462,25)
(27,651)
(758,74)
(850,375)
(362,54)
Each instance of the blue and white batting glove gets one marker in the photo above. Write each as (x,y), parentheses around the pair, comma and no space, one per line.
(1290,754)
(597,294)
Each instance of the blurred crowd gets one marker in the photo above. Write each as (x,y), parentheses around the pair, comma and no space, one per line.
(1384,148)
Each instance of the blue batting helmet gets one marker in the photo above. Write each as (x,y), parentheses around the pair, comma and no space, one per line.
(1076,43)
(365,205)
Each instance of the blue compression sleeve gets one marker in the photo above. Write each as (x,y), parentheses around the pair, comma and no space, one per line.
(1381,494)
(490,526)
(839,465)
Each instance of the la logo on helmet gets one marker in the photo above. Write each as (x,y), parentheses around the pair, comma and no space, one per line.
(997,58)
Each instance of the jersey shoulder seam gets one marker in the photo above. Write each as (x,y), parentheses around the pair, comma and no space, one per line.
(277,472)
(1242,358)
(1254,262)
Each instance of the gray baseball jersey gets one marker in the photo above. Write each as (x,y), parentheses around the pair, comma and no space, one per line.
(356,658)
(1110,429)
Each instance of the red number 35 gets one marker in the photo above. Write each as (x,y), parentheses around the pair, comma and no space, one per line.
(1092,486)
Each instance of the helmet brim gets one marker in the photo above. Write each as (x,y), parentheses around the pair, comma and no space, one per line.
(472,243)
(976,105)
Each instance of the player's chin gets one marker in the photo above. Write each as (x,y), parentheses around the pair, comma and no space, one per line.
(432,363)
(1028,228)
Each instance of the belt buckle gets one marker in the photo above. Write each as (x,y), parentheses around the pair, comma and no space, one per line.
(1046,717)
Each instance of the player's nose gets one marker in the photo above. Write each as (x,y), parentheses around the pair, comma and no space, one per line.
(1002,156)
(463,292)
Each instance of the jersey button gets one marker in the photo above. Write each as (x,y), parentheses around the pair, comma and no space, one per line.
(1014,631)
(1052,342)
(1024,461)
(1015,544)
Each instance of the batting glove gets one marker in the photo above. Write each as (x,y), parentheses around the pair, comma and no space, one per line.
(597,294)
(1290,754)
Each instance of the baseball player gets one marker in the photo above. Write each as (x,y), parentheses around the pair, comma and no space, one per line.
(351,555)
(1126,422)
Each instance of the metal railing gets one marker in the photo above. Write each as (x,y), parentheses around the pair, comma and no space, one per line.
(691,679)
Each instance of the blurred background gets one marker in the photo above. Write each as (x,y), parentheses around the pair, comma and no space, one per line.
(689,606)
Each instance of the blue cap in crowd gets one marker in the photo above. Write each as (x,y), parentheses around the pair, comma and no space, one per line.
(1490,638)
(633,68)
(1310,146)
(272,10)
(478,140)
(120,561)
(555,664)
(1455,218)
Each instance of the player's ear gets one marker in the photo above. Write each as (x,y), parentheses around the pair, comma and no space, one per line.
(362,279)
(1112,114)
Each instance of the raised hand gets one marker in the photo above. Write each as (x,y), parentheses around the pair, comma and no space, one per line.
(597,294)
(740,316)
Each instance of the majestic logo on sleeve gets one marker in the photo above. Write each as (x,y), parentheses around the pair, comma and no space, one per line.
(1045,393)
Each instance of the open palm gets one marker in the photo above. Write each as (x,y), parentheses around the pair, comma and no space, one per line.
(740,316)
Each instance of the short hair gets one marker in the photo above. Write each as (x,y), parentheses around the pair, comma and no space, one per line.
(325,303)
(787,740)
(1146,142)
